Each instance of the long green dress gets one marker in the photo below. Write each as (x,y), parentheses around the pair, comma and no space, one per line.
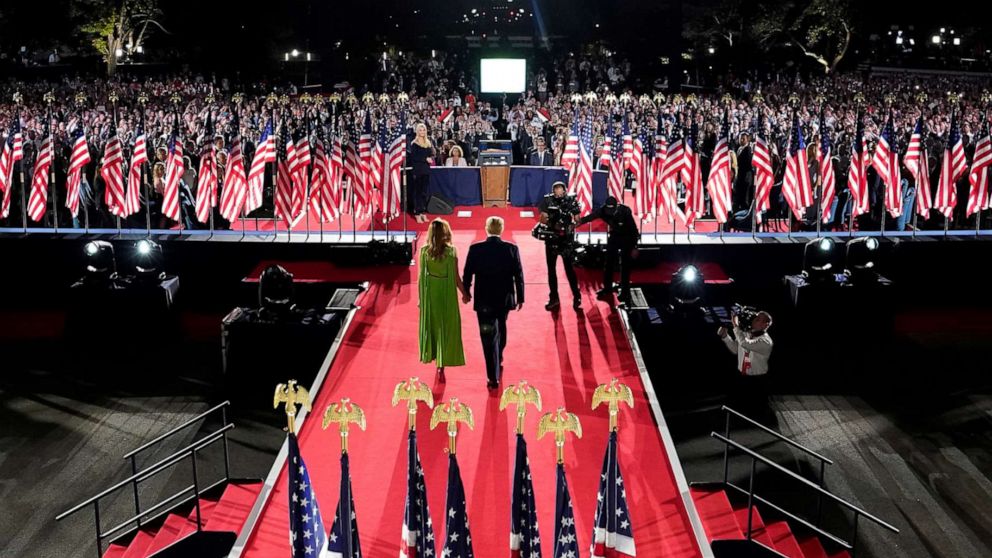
(440,316)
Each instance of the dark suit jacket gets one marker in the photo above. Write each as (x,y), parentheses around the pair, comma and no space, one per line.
(536,160)
(495,267)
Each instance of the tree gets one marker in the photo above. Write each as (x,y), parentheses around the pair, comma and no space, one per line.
(118,27)
(821,29)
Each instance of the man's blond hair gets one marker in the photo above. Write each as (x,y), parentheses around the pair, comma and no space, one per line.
(494,225)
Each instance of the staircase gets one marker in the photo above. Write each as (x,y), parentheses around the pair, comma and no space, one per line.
(221,516)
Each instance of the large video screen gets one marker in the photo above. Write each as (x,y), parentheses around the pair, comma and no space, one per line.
(504,75)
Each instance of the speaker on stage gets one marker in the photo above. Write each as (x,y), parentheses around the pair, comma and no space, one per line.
(439,206)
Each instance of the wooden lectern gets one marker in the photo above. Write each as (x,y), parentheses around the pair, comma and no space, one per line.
(495,185)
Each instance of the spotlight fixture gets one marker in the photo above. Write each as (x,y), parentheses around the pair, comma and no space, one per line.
(275,290)
(686,289)
(101,265)
(818,259)
(148,260)
(860,260)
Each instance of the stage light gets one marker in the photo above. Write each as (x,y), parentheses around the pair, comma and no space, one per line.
(101,265)
(860,260)
(295,53)
(275,290)
(935,39)
(818,259)
(686,289)
(957,41)
(148,261)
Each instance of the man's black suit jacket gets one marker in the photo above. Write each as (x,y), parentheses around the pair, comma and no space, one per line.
(494,267)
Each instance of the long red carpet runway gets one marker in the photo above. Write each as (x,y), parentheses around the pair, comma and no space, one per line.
(564,354)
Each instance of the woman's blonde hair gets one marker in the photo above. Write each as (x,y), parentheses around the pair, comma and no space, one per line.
(438,239)
(451,152)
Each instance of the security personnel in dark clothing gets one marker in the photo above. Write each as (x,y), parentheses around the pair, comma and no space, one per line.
(622,239)
(558,212)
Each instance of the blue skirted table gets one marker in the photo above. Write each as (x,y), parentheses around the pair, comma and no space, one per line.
(463,185)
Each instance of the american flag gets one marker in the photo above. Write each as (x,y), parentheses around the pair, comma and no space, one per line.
(300,172)
(13,151)
(343,540)
(378,168)
(886,163)
(670,173)
(613,155)
(613,534)
(284,176)
(458,539)
(796,184)
(628,142)
(662,198)
(720,177)
(828,179)
(353,170)
(396,156)
(418,529)
(325,198)
(764,176)
(38,201)
(265,152)
(525,538)
(306,528)
(692,177)
(174,169)
(952,168)
(112,171)
(857,174)
(139,156)
(232,199)
(570,155)
(978,195)
(580,178)
(206,182)
(78,159)
(638,172)
(363,190)
(917,163)
(566,541)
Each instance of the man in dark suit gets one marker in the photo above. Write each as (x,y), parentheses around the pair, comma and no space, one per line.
(495,268)
(620,241)
(540,157)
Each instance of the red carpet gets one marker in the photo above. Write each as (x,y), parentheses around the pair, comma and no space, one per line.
(566,355)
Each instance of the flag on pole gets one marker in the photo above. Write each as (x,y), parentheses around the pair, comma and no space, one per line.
(139,156)
(978,195)
(639,175)
(418,529)
(112,171)
(857,174)
(952,168)
(365,189)
(265,152)
(356,181)
(721,173)
(886,163)
(918,165)
(232,200)
(580,178)
(612,157)
(13,151)
(570,155)
(661,197)
(458,539)
(613,533)
(396,154)
(174,169)
(670,173)
(525,539)
(284,176)
(343,541)
(566,541)
(78,159)
(378,173)
(206,180)
(628,142)
(796,185)
(38,202)
(764,176)
(695,204)
(300,172)
(306,527)
(325,197)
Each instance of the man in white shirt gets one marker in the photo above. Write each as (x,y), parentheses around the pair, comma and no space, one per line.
(752,346)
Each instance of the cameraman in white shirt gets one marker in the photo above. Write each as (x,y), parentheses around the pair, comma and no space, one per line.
(753,346)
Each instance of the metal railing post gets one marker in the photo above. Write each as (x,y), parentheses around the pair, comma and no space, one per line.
(854,537)
(99,535)
(750,500)
(134,486)
(196,492)
(726,450)
(819,496)
(227,455)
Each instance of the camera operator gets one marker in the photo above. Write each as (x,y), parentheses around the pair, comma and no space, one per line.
(622,239)
(753,347)
(557,230)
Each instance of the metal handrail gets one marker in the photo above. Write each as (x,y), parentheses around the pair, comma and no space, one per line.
(177,429)
(756,457)
(778,435)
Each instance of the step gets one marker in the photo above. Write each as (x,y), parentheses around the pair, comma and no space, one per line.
(233,507)
(784,540)
(140,543)
(812,547)
(115,551)
(206,509)
(716,513)
(170,532)
(758,531)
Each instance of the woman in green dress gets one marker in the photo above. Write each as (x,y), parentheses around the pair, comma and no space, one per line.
(440,284)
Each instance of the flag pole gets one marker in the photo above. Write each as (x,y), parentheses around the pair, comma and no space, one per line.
(49,99)
(20,166)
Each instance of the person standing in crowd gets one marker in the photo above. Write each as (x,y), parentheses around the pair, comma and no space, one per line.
(621,243)
(540,157)
(439,285)
(494,267)
(420,158)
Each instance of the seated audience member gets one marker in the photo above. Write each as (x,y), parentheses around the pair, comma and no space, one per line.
(455,158)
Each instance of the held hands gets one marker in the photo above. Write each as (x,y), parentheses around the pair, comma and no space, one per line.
(466,298)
